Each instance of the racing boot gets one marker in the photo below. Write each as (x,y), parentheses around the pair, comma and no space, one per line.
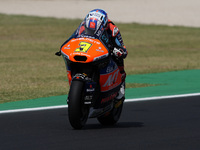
(121,93)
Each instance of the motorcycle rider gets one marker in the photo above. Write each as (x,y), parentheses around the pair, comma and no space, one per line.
(93,23)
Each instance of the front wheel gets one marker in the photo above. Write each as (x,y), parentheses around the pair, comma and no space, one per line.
(77,111)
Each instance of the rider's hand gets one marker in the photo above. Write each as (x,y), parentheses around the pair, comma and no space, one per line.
(118,52)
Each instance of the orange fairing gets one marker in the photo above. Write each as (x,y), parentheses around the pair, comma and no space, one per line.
(84,50)
(69,76)
(110,80)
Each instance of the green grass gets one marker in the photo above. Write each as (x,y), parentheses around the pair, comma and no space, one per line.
(29,69)
(154,48)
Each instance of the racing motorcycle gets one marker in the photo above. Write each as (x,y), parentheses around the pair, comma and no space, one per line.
(94,80)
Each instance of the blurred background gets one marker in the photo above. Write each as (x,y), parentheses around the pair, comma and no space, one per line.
(169,12)
(160,36)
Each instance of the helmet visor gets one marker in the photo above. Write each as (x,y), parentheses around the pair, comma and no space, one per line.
(89,31)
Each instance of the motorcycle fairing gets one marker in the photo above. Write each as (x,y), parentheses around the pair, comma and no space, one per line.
(84,50)
(110,82)
(110,77)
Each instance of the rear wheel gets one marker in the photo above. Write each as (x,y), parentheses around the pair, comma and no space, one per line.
(113,116)
(77,111)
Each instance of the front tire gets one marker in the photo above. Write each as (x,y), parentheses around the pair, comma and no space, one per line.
(77,111)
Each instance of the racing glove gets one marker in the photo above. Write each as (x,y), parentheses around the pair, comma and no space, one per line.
(118,52)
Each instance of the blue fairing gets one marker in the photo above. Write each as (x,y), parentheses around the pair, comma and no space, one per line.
(112,66)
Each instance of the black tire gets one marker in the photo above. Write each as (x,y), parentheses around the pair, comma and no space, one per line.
(112,117)
(77,111)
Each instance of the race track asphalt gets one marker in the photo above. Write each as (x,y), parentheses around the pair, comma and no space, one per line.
(170,124)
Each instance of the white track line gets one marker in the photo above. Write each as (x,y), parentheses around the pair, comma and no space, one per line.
(32,109)
(162,97)
(127,100)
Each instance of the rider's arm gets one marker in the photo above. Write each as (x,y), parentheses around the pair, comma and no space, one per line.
(117,39)
(119,44)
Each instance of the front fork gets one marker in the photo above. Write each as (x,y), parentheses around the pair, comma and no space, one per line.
(89,88)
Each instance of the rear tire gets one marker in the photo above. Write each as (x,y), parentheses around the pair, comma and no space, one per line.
(112,117)
(77,111)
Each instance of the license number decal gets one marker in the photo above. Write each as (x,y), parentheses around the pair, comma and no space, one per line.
(84,47)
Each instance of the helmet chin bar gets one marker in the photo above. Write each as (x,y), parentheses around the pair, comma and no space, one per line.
(89,31)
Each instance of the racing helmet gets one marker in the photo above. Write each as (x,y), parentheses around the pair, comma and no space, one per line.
(94,20)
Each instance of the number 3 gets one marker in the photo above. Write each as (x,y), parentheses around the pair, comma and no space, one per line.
(84,47)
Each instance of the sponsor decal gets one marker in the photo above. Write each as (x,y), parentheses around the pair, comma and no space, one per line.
(110,69)
(92,25)
(115,31)
(85,39)
(85,36)
(99,32)
(111,79)
(90,90)
(99,49)
(112,96)
(88,97)
(104,38)
(68,47)
(96,14)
